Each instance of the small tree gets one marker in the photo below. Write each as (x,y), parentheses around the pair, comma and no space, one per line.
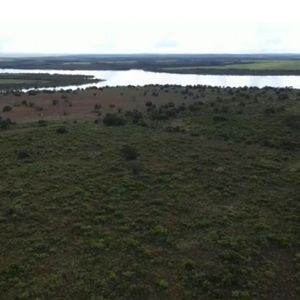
(7,108)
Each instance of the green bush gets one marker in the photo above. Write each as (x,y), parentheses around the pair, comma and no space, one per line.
(129,152)
(55,102)
(42,123)
(23,153)
(292,121)
(219,119)
(113,120)
(135,166)
(7,108)
(61,130)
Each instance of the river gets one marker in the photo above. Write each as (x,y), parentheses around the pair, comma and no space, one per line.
(140,78)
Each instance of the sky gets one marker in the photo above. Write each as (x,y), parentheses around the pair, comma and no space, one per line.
(156,26)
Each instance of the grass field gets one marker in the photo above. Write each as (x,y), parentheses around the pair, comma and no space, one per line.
(203,205)
(254,66)
(267,65)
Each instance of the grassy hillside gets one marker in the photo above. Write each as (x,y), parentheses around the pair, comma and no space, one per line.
(194,201)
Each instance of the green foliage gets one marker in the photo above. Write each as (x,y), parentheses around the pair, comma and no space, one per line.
(7,108)
(186,208)
(61,130)
(111,119)
(24,153)
(129,152)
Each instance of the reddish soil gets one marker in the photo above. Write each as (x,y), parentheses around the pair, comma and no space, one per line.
(81,104)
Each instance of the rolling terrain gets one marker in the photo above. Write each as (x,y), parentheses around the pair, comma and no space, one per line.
(160,192)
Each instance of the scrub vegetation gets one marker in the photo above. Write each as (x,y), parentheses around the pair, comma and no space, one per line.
(191,198)
(15,81)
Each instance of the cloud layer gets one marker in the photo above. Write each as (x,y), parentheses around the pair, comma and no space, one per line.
(134,26)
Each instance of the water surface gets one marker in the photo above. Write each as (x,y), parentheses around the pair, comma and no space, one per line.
(141,78)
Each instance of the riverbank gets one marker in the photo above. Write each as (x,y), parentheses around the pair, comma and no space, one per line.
(19,81)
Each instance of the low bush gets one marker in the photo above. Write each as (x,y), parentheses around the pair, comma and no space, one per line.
(7,108)
(61,130)
(55,102)
(42,123)
(5,123)
(219,119)
(113,120)
(24,153)
(292,121)
(129,152)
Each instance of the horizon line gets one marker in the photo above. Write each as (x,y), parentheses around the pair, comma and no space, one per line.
(28,54)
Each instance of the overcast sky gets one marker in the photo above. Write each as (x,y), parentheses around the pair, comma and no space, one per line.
(156,26)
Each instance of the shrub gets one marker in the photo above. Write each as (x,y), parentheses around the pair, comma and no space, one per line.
(163,284)
(149,103)
(5,123)
(55,102)
(269,110)
(7,108)
(292,121)
(283,96)
(134,115)
(219,119)
(129,152)
(61,130)
(42,123)
(39,108)
(113,120)
(23,153)
(135,167)
(225,109)
(97,107)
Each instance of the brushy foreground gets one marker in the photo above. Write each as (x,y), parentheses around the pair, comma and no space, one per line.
(200,202)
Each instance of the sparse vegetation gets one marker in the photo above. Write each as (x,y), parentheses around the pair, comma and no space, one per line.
(198,204)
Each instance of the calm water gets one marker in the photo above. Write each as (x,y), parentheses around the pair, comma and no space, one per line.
(140,78)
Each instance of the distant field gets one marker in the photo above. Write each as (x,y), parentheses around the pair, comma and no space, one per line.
(77,63)
(266,65)
(285,65)
(223,64)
